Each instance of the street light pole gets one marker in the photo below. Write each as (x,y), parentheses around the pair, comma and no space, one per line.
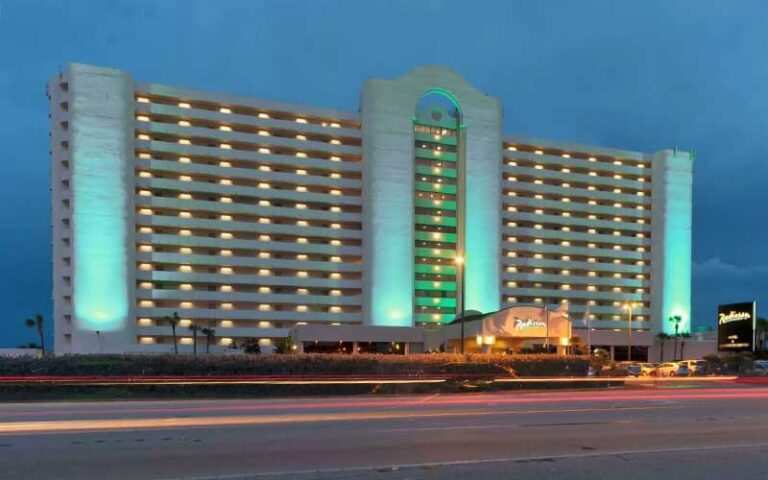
(460,266)
(628,307)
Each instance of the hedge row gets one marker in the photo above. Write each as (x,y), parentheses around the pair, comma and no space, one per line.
(308,364)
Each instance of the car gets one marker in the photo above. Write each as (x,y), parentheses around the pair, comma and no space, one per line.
(633,369)
(695,367)
(671,369)
(647,368)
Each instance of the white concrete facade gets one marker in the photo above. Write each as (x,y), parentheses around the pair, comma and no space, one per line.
(253,217)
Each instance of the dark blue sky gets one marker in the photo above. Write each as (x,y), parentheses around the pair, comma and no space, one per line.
(637,75)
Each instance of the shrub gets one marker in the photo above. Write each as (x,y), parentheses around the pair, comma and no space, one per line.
(306,364)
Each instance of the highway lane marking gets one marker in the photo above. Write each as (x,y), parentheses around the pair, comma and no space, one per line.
(130,424)
(533,458)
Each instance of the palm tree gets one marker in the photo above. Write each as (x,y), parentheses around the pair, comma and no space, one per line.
(662,340)
(675,320)
(194,329)
(209,336)
(173,320)
(682,344)
(38,322)
(761,329)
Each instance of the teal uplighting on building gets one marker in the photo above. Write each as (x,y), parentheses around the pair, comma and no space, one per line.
(261,219)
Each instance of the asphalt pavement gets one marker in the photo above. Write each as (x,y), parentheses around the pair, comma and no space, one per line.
(716,432)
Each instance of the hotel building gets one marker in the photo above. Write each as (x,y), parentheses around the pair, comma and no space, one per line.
(260,219)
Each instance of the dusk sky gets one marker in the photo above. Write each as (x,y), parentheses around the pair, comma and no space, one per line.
(633,75)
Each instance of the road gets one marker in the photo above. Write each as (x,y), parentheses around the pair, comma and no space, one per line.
(715,432)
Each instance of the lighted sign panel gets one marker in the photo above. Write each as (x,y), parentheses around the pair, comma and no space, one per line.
(671,236)
(736,327)
(101,106)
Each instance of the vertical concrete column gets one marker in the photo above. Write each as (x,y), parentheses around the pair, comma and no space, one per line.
(671,225)
(103,263)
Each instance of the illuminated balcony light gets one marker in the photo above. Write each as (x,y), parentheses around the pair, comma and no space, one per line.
(263,115)
(301,120)
(142,118)
(184,123)
(301,188)
(512,148)
(334,158)
(145,211)
(264,150)
(263,133)
(336,226)
(185,268)
(336,259)
(145,230)
(302,223)
(225,253)
(225,181)
(565,170)
(224,110)
(264,185)
(226,235)
(335,192)
(301,154)
(226,306)
(302,274)
(301,256)
(301,206)
(185,160)
(144,136)
(336,243)
(301,137)
(336,209)
(226,218)
(265,272)
(302,308)
(145,156)
(539,167)
(185,214)
(145,267)
(265,307)
(335,142)
(225,200)
(225,146)
(145,193)
(265,238)
(185,286)
(185,141)
(335,125)
(185,233)
(538,152)
(301,240)
(225,270)
(335,276)
(142,99)
(184,105)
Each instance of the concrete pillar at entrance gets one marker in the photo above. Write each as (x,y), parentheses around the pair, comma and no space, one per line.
(613,353)
(354,348)
(299,346)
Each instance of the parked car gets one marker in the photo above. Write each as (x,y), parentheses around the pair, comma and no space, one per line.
(647,368)
(671,369)
(695,367)
(633,369)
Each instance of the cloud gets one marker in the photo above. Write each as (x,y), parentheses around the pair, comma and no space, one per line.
(714,268)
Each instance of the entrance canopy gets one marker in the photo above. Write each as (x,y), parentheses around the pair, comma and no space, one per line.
(511,327)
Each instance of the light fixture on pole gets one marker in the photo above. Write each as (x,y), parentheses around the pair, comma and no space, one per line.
(628,307)
(459,261)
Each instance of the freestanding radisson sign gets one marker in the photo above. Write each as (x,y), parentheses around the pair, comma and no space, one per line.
(736,327)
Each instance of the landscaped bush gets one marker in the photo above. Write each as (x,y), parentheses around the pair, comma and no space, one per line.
(305,365)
